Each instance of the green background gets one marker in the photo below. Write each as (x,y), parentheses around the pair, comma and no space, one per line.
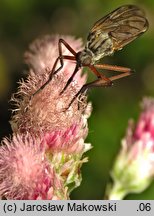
(21,21)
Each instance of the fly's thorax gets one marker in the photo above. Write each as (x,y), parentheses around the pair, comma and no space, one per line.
(100,44)
(84,57)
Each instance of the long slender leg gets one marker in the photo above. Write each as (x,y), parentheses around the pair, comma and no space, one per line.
(98,83)
(70,79)
(50,77)
(100,75)
(53,71)
(60,58)
(113,68)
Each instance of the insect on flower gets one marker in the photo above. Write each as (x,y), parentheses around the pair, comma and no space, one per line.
(109,34)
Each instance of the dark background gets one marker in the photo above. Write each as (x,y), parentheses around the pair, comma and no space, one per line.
(23,21)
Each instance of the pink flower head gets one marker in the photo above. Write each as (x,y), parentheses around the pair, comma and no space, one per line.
(140,140)
(25,173)
(134,168)
(46,114)
(43,122)
(145,125)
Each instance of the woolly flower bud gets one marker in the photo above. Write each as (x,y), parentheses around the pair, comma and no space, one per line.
(46,114)
(134,168)
(25,173)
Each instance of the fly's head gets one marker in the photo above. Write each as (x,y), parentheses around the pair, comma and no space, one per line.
(84,58)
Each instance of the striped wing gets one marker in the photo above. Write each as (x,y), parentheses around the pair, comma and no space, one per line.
(123,25)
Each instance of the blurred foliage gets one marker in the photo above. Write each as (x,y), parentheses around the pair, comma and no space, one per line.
(23,21)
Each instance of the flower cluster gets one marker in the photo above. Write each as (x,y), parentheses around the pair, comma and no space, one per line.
(134,167)
(43,157)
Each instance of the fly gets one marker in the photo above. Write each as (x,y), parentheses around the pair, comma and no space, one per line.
(109,34)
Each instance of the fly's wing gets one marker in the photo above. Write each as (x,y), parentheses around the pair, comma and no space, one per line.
(122,25)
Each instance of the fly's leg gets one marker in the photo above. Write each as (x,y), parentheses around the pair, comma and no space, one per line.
(60,58)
